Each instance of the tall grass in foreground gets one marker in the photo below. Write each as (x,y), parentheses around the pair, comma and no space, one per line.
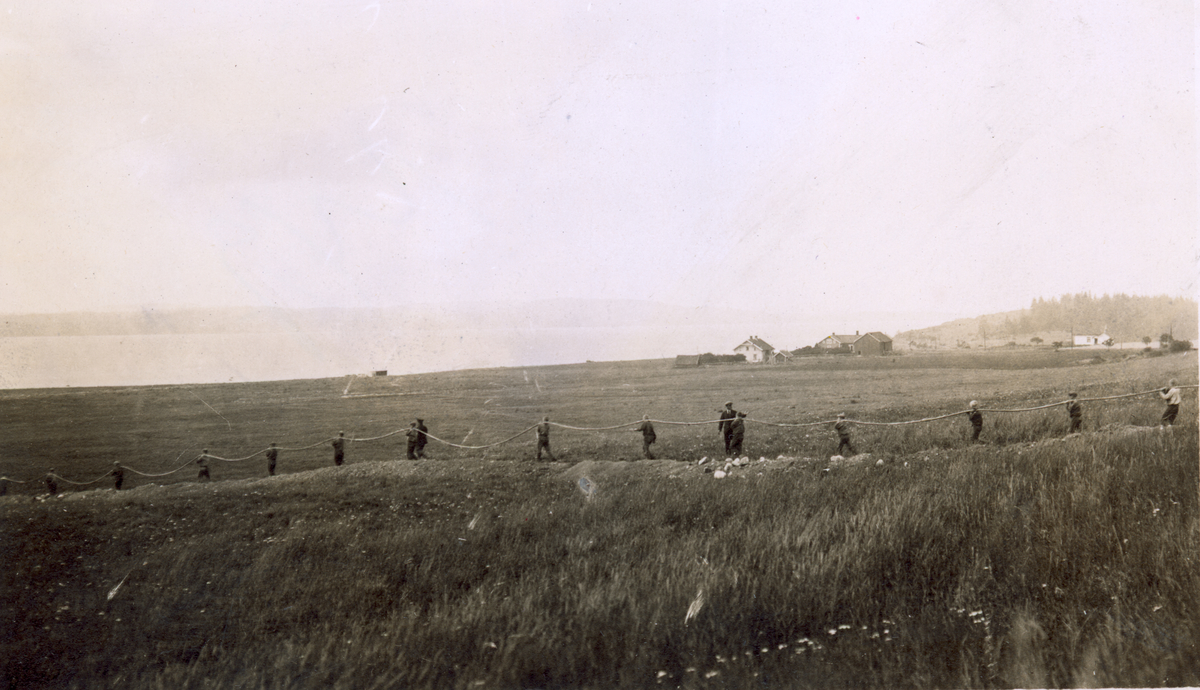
(1071,562)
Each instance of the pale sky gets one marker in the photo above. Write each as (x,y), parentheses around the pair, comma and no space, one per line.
(808,156)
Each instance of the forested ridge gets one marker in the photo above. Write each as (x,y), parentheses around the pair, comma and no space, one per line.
(1125,318)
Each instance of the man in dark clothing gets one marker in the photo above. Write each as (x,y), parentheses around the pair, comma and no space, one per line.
(413,437)
(1075,410)
(648,436)
(272,457)
(339,449)
(842,427)
(543,434)
(976,418)
(202,461)
(725,426)
(118,475)
(51,484)
(423,438)
(737,433)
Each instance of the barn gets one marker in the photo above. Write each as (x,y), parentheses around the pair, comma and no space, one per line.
(873,343)
(755,349)
(687,360)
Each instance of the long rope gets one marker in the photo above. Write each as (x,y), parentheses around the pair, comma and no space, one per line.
(490,445)
(162,474)
(324,441)
(56,476)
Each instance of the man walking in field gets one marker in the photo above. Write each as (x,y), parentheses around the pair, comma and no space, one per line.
(339,449)
(737,434)
(648,436)
(202,461)
(1075,410)
(413,436)
(725,426)
(272,457)
(976,419)
(543,439)
(423,438)
(842,427)
(118,475)
(1171,395)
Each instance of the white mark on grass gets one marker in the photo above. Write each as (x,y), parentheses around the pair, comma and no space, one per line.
(695,607)
(587,487)
(211,408)
(113,592)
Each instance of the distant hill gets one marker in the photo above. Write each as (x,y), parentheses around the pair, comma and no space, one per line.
(1124,317)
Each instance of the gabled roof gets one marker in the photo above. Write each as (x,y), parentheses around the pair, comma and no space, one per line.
(878,336)
(757,342)
(845,339)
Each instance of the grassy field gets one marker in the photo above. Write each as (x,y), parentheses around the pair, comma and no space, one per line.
(1034,559)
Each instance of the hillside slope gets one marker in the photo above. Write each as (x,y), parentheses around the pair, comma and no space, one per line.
(1127,319)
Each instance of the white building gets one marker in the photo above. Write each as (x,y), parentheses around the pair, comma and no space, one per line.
(756,349)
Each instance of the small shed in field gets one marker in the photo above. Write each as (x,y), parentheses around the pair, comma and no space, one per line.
(687,360)
(755,349)
(381,372)
(781,357)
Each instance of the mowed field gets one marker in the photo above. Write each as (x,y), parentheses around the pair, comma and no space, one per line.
(1033,559)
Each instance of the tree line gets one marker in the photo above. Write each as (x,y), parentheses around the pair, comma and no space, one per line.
(1123,317)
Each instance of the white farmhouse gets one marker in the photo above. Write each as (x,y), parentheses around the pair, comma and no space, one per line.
(756,350)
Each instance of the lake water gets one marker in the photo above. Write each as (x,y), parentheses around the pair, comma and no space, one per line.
(60,361)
